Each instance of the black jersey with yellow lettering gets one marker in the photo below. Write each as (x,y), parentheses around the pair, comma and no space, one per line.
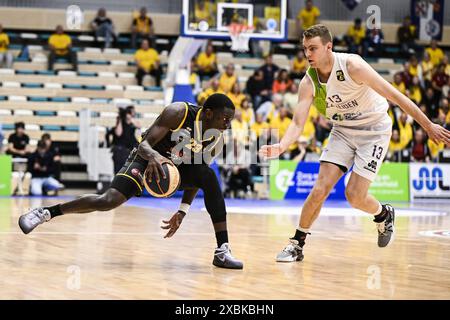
(187,136)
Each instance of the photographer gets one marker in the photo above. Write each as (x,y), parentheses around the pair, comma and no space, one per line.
(124,139)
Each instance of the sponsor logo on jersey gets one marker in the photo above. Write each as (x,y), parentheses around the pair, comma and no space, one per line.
(340,75)
(372,166)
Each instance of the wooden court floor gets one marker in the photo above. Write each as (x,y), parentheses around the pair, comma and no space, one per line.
(121,254)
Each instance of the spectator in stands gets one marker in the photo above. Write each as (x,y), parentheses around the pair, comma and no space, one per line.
(207,62)
(435,149)
(142,27)
(395,147)
(239,129)
(415,91)
(54,151)
(124,138)
(203,12)
(6,57)
(147,61)
(398,83)
(194,79)
(406,76)
(41,165)
(236,96)
(269,69)
(355,36)
(255,87)
(406,36)
(447,65)
(439,79)
(270,109)
(132,111)
(18,142)
(60,45)
(248,114)
(290,98)
(227,79)
(415,70)
(405,129)
(432,103)
(214,88)
(373,42)
(419,148)
(436,53)
(427,70)
(103,27)
(280,122)
(282,83)
(299,66)
(307,17)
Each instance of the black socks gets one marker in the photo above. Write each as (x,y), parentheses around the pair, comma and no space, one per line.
(54,211)
(381,216)
(221,237)
(300,236)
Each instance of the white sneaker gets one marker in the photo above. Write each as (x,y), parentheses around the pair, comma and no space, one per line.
(33,218)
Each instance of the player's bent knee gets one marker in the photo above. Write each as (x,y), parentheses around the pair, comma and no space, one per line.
(320,192)
(354,197)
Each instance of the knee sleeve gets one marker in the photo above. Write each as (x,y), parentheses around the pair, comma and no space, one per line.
(214,201)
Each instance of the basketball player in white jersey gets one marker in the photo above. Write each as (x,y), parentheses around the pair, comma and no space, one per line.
(352,96)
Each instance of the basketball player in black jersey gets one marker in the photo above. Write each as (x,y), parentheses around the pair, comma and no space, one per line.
(189,136)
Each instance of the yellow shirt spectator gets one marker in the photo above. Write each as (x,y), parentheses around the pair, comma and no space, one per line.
(239,130)
(205,94)
(406,133)
(308,18)
(146,59)
(205,62)
(435,148)
(280,124)
(357,34)
(248,115)
(427,69)
(236,99)
(60,42)
(436,55)
(413,70)
(4,42)
(395,146)
(300,66)
(226,82)
(400,87)
(258,128)
(416,94)
(203,13)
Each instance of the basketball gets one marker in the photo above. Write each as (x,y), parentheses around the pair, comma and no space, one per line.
(165,187)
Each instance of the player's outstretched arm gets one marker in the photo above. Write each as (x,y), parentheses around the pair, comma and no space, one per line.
(361,72)
(295,129)
(170,118)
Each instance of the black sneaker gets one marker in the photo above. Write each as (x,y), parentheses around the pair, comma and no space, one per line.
(386,228)
(224,259)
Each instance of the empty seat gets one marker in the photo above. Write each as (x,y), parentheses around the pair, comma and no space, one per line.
(37,98)
(107,74)
(50,85)
(112,50)
(100,100)
(107,114)
(134,88)
(32,127)
(94,87)
(71,128)
(11,84)
(81,100)
(46,72)
(45,113)
(35,48)
(122,101)
(23,112)
(86,38)
(73,86)
(114,87)
(26,35)
(5,112)
(67,113)
(162,41)
(17,98)
(151,115)
(24,71)
(60,99)
(87,74)
(118,62)
(32,85)
(6,71)
(100,62)
(51,127)
(126,75)
(65,73)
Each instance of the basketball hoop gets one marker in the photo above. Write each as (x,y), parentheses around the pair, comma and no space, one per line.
(240,35)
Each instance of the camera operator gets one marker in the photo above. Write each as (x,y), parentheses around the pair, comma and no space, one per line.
(124,138)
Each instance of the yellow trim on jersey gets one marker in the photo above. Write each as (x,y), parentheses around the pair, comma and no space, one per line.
(128,176)
(184,119)
(197,120)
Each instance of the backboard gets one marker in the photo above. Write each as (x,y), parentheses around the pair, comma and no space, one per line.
(211,18)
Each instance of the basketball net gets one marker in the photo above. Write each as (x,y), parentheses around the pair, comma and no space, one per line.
(240,36)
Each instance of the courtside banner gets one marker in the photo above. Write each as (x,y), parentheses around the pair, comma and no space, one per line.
(429,181)
(295,180)
(5,176)
(391,183)
(428,17)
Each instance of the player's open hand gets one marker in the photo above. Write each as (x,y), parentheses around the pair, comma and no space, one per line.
(154,167)
(438,133)
(271,151)
(173,224)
